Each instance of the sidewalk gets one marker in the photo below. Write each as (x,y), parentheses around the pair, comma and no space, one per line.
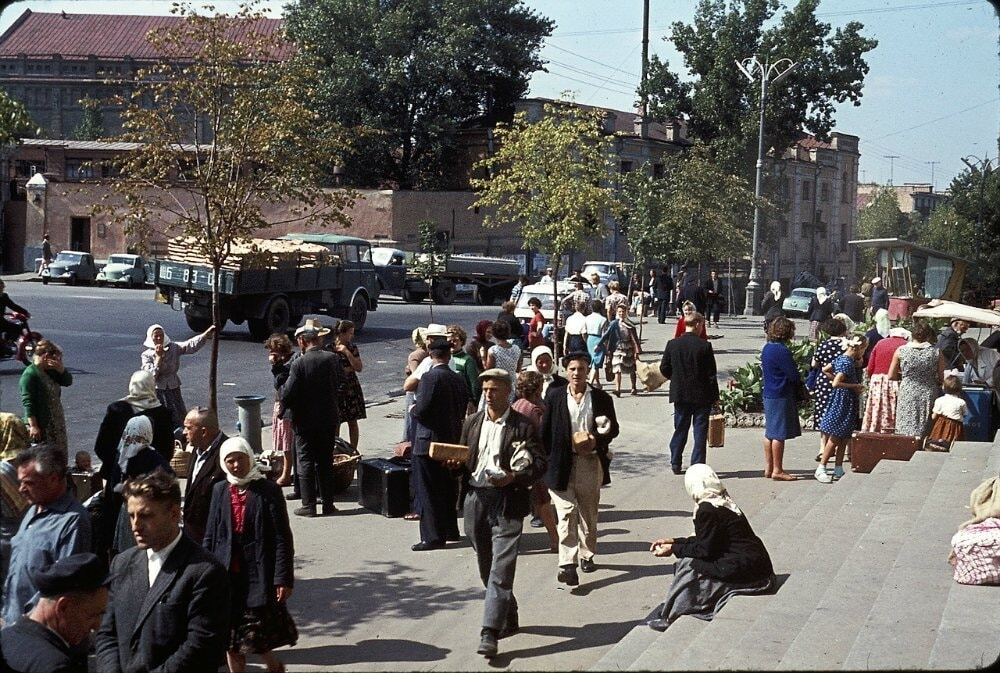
(364,601)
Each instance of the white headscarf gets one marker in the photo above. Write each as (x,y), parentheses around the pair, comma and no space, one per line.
(238,445)
(703,485)
(882,322)
(846,319)
(821,295)
(142,392)
(776,290)
(138,435)
(900,332)
(148,343)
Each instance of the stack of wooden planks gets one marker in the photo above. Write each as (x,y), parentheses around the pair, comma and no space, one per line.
(256,253)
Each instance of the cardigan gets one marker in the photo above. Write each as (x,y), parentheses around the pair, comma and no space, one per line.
(33,394)
(724,546)
(781,375)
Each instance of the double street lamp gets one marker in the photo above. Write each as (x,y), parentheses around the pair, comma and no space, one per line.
(772,73)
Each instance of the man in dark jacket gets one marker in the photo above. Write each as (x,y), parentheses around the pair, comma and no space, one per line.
(854,304)
(664,288)
(689,364)
(577,429)
(504,461)
(694,293)
(201,429)
(947,343)
(880,296)
(437,417)
(310,396)
(169,602)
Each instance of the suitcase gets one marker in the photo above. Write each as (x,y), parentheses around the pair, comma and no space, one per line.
(384,486)
(868,448)
(717,430)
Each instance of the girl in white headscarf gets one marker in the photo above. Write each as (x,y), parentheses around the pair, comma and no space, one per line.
(820,310)
(248,533)
(723,558)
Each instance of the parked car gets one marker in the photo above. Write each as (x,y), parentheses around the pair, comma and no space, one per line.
(543,291)
(72,267)
(608,271)
(123,269)
(797,303)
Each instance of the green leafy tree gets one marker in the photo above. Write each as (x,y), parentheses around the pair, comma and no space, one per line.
(429,263)
(975,204)
(412,72)
(642,204)
(232,133)
(721,105)
(15,122)
(881,218)
(91,126)
(947,231)
(552,176)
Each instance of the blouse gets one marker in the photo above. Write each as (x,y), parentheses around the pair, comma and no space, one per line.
(880,357)
(165,372)
(950,406)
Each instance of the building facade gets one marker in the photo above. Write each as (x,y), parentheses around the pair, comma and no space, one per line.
(912,197)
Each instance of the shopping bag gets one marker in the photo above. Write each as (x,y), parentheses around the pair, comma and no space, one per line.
(717,430)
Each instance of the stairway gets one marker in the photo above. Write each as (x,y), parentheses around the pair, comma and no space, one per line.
(868,583)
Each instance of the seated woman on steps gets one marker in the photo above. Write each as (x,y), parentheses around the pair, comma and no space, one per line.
(724,557)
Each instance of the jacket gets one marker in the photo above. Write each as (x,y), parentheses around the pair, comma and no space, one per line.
(266,542)
(310,393)
(178,625)
(113,425)
(557,435)
(819,312)
(198,494)
(781,375)
(689,363)
(517,429)
(437,415)
(34,398)
(724,546)
(771,307)
(31,647)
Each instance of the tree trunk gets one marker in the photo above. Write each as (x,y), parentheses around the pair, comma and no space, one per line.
(556,340)
(213,366)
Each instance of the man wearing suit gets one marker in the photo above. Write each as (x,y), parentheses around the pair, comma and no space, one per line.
(689,364)
(169,601)
(577,429)
(664,288)
(310,395)
(504,461)
(437,417)
(201,429)
(713,292)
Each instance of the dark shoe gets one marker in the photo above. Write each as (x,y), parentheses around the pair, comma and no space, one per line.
(677,469)
(305,511)
(427,546)
(294,495)
(658,624)
(487,643)
(587,565)
(453,538)
(513,624)
(329,510)
(536,522)
(567,575)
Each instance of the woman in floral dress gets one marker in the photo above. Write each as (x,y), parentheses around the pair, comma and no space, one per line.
(350,397)
(920,368)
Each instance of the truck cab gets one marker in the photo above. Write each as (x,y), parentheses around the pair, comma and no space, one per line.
(358,293)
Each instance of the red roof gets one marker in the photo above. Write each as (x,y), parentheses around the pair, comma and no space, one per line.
(107,36)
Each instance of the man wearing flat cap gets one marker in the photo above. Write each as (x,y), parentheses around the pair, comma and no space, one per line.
(437,417)
(73,596)
(310,396)
(505,459)
(948,342)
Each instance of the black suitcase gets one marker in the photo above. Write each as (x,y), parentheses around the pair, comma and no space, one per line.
(384,486)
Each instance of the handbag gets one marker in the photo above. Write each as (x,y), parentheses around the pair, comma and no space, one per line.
(801,394)
(977,553)
(717,430)
(812,379)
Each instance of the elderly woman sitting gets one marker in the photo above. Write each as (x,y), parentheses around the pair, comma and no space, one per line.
(724,558)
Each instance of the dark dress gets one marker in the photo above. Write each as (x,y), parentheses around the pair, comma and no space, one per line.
(824,355)
(841,415)
(350,397)
(771,308)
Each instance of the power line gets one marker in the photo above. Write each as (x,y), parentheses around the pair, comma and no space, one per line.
(596,62)
(589,73)
(603,86)
(588,83)
(934,121)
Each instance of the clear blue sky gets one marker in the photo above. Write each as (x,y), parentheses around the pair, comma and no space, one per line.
(931,94)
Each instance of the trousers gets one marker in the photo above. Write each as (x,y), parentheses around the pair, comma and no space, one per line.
(576,510)
(315,462)
(434,497)
(684,415)
(496,546)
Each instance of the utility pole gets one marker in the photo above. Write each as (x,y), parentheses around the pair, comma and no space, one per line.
(933,164)
(891,158)
(644,126)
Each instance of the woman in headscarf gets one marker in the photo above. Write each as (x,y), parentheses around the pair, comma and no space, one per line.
(162,358)
(140,401)
(41,395)
(724,557)
(248,533)
(820,310)
(771,305)
(136,456)
(880,405)
(688,308)
(879,331)
(544,363)
(974,551)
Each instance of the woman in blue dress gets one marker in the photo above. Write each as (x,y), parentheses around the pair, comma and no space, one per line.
(841,416)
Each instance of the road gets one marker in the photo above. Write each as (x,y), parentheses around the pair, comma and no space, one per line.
(101,331)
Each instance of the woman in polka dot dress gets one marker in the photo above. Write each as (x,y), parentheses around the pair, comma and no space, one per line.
(841,416)
(825,353)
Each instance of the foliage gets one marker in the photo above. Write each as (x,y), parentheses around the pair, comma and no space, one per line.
(552,176)
(15,122)
(642,204)
(880,218)
(948,232)
(973,220)
(91,126)
(412,72)
(745,392)
(231,133)
(429,264)
(719,102)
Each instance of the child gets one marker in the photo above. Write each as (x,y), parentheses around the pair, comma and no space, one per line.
(840,418)
(82,463)
(949,410)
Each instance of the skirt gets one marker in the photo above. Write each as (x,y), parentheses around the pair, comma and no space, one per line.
(781,419)
(171,398)
(701,596)
(281,432)
(880,407)
(258,630)
(623,361)
(597,359)
(948,429)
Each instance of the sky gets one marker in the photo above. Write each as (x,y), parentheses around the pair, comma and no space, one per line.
(930,98)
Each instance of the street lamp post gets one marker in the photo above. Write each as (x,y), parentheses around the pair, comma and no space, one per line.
(773,73)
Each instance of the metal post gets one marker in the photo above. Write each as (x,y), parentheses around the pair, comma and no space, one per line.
(249,423)
(754,283)
(644,126)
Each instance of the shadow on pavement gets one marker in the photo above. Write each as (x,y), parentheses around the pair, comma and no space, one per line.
(572,638)
(381,649)
(632,514)
(602,579)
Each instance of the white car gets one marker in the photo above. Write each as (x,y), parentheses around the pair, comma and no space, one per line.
(122,269)
(543,291)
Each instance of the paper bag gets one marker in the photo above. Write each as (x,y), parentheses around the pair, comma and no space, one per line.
(717,430)
(649,375)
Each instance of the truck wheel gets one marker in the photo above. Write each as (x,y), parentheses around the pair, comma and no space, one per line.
(485,296)
(444,292)
(411,297)
(197,323)
(71,280)
(276,320)
(359,312)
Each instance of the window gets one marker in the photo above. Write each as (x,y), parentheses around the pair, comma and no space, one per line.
(845,189)
(626,167)
(806,190)
(25,168)
(824,192)
(658,170)
(80,169)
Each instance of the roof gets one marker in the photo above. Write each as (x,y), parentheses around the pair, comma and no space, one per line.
(909,246)
(324,238)
(94,145)
(107,36)
(810,142)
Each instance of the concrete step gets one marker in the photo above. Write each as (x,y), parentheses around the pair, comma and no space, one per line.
(902,625)
(627,650)
(715,640)
(824,538)
(667,644)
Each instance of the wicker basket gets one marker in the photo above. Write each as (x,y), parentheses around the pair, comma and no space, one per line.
(181,463)
(344,467)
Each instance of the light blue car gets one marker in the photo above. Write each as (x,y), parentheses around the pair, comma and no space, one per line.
(797,303)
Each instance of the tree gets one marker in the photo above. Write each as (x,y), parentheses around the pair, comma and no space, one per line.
(91,126)
(881,218)
(973,217)
(15,122)
(412,72)
(553,177)
(721,105)
(947,231)
(231,132)
(429,263)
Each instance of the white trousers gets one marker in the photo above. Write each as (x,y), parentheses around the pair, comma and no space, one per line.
(576,510)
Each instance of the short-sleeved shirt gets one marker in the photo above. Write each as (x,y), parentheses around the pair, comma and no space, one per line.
(950,406)
(576,324)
